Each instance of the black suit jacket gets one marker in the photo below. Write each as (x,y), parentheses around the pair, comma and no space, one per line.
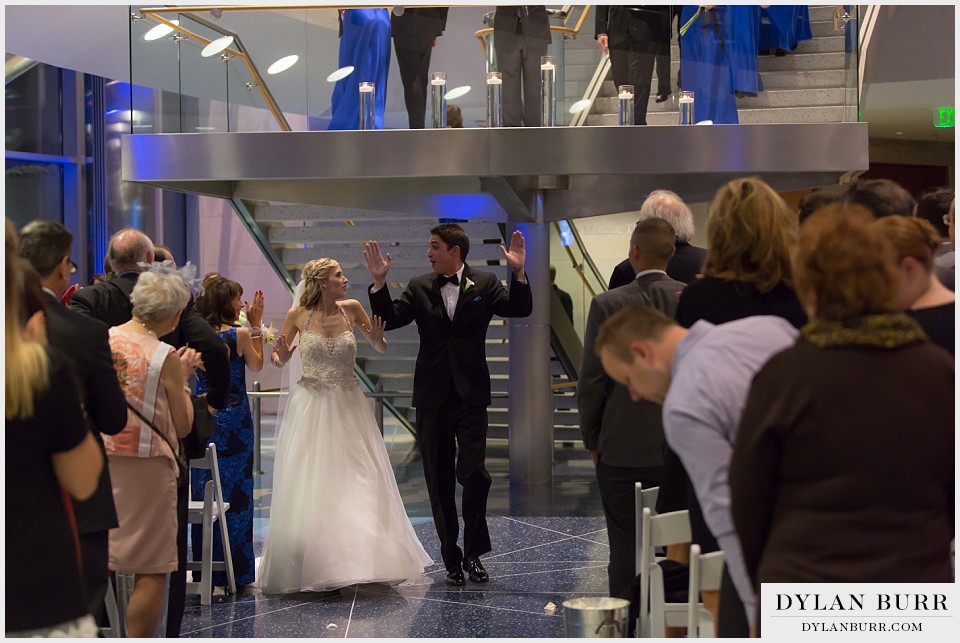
(535,24)
(110,303)
(452,353)
(686,264)
(84,341)
(624,432)
(636,23)
(418,28)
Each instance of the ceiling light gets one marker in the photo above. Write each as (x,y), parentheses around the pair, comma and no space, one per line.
(217,46)
(283,64)
(899,133)
(160,31)
(341,73)
(457,92)
(580,105)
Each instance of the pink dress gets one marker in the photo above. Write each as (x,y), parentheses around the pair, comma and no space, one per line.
(142,467)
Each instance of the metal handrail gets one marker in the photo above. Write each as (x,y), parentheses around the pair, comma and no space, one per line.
(239,52)
(573,32)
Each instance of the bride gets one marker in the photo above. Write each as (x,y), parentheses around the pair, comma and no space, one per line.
(336,517)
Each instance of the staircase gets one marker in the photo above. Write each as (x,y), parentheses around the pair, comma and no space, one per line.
(299,233)
(805,86)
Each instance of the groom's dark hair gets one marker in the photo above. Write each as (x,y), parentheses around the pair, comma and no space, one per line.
(453,235)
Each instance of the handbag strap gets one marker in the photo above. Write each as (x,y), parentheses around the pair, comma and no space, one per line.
(154,429)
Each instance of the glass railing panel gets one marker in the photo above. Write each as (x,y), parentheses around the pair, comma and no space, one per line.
(203,80)
(575,272)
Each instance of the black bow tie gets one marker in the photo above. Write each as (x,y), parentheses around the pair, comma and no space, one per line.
(452,279)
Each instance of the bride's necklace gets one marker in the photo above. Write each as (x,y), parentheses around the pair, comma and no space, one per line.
(149,332)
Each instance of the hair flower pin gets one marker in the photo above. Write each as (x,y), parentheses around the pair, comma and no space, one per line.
(188,273)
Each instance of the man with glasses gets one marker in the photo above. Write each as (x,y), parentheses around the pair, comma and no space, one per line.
(946,262)
(46,246)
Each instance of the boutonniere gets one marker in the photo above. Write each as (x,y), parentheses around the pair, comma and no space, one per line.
(467,284)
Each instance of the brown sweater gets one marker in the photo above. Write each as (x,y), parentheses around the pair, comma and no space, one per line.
(843,470)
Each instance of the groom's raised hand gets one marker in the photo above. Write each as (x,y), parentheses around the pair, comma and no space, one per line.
(517,255)
(376,264)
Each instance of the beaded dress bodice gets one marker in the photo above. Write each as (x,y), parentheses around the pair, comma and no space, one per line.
(328,361)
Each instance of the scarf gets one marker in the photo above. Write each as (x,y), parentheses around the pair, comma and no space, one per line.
(886,330)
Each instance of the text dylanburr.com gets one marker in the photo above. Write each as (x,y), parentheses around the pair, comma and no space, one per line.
(898,611)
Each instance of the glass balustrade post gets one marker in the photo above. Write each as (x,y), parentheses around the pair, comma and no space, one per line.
(438,103)
(368,106)
(548,93)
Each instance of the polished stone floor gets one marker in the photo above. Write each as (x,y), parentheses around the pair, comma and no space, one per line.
(549,544)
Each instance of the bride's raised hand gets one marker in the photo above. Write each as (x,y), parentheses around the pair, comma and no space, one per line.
(375,331)
(282,351)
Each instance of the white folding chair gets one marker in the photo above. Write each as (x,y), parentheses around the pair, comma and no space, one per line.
(643,498)
(659,531)
(212,509)
(706,571)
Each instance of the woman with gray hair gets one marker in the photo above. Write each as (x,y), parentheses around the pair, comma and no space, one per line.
(143,458)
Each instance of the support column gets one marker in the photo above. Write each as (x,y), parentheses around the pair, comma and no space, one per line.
(531,401)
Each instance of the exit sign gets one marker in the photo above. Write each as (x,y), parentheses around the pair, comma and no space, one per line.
(945,117)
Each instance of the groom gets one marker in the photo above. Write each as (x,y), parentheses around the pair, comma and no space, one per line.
(453,306)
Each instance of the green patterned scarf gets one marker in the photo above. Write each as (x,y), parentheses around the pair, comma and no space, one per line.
(887,330)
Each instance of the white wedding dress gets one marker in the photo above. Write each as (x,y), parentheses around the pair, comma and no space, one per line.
(336,517)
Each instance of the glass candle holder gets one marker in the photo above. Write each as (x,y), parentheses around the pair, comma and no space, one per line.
(626,97)
(368,106)
(494,99)
(438,104)
(686,108)
(548,94)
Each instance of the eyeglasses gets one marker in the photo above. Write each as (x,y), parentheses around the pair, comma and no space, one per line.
(73,267)
(947,219)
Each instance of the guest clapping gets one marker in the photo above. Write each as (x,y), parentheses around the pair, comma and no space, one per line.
(143,457)
(220,305)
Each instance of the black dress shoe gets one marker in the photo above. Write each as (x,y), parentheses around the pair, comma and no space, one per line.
(663,97)
(476,571)
(456,578)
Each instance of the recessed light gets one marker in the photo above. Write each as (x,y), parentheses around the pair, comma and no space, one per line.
(160,31)
(217,46)
(457,92)
(899,133)
(341,73)
(283,64)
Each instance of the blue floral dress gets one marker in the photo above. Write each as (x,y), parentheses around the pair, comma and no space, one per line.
(234,440)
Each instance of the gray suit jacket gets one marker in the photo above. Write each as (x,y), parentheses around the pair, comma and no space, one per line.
(624,432)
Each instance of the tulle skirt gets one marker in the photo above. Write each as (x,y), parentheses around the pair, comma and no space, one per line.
(336,517)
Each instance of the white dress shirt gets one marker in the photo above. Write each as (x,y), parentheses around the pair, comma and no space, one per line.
(451,294)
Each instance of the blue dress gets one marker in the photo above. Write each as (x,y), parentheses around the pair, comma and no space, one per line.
(718,57)
(784,26)
(234,440)
(365,44)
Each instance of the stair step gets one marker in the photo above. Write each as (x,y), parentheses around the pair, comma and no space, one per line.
(560,433)
(383,232)
(410,348)
(281,212)
(412,255)
(773,99)
(828,114)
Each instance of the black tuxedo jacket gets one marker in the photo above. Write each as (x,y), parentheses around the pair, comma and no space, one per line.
(418,28)
(637,23)
(84,341)
(535,24)
(452,353)
(110,303)
(624,432)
